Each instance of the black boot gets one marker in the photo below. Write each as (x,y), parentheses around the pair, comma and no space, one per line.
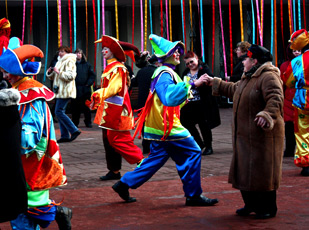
(111,176)
(123,191)
(208,151)
(200,201)
(243,211)
(305,171)
(63,218)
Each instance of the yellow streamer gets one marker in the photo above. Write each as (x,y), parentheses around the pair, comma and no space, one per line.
(170,21)
(116,15)
(58,23)
(241,21)
(191,29)
(145,46)
(86,9)
(290,23)
(6,8)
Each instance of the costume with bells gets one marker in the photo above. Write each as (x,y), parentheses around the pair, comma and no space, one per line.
(114,113)
(297,76)
(169,138)
(41,156)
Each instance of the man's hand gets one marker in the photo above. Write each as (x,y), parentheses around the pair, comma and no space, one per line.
(207,79)
(260,121)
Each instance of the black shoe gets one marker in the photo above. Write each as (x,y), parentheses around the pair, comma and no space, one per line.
(63,218)
(264,215)
(123,191)
(243,211)
(62,140)
(208,151)
(75,135)
(305,171)
(200,201)
(111,176)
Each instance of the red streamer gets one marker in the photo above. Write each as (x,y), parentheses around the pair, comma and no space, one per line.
(161,11)
(282,34)
(304,13)
(70,23)
(95,33)
(31,18)
(213,34)
(231,38)
(132,21)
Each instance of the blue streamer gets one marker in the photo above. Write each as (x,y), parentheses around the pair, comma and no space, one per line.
(299,15)
(150,21)
(47,35)
(99,19)
(183,28)
(74,21)
(253,23)
(272,27)
(294,15)
(202,29)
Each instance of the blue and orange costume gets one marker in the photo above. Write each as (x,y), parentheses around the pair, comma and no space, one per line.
(297,76)
(41,157)
(169,138)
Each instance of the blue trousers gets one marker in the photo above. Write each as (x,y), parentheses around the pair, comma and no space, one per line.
(187,155)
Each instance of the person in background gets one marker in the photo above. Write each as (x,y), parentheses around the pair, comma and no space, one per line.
(258,132)
(114,113)
(85,78)
(297,76)
(142,80)
(202,109)
(169,138)
(241,51)
(40,154)
(288,109)
(63,76)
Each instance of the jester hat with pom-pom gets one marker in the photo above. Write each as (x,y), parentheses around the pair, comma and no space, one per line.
(299,39)
(15,61)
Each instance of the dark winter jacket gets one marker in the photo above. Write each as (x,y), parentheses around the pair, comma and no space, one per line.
(210,106)
(238,69)
(84,79)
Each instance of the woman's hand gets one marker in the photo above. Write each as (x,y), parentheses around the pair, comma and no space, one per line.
(207,79)
(56,70)
(260,121)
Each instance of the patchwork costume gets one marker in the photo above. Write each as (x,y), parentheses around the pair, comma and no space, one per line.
(114,113)
(162,126)
(41,158)
(297,76)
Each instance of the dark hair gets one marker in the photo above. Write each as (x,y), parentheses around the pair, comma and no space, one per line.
(191,54)
(65,48)
(78,50)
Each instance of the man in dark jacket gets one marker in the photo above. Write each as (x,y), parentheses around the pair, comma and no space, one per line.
(84,80)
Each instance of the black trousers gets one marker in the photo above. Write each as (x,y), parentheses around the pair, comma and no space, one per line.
(192,115)
(78,106)
(290,142)
(113,159)
(260,202)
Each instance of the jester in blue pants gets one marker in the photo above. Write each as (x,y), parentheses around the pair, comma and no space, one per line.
(162,126)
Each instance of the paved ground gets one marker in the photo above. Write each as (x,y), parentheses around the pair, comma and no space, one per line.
(160,201)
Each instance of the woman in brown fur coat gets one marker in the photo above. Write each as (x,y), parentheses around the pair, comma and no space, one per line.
(258,132)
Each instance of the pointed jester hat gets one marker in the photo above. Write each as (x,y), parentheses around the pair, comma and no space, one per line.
(15,60)
(299,39)
(164,48)
(119,48)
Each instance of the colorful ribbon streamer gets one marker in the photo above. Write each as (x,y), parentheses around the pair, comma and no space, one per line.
(200,10)
(241,21)
(133,21)
(231,37)
(223,44)
(262,18)
(182,22)
(184,25)
(116,15)
(294,16)
(59,24)
(47,36)
(99,19)
(145,40)
(191,26)
(161,14)
(272,26)
(213,33)
(170,20)
(299,15)
(74,23)
(166,19)
(275,29)
(103,27)
(142,26)
(304,13)
(150,21)
(6,9)
(86,12)
(253,23)
(70,22)
(24,19)
(95,33)
(259,21)
(31,19)
(290,17)
(281,20)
